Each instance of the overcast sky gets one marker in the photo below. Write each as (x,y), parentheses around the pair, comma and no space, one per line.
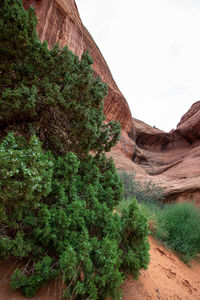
(152,48)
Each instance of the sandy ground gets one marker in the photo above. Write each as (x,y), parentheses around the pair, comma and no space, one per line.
(167,278)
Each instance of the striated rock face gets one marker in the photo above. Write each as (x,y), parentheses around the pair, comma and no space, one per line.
(189,126)
(171,159)
(59,21)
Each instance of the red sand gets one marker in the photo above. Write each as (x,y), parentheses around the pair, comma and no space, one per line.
(167,278)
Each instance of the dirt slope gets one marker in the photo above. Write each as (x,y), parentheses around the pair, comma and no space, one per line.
(167,278)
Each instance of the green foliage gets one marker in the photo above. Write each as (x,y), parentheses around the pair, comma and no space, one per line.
(71,230)
(150,210)
(57,188)
(26,172)
(147,192)
(135,240)
(47,91)
(29,285)
(178,226)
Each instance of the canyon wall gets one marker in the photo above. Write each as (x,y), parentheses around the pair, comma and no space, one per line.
(170,160)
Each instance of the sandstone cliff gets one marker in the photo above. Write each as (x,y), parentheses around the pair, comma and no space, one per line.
(171,160)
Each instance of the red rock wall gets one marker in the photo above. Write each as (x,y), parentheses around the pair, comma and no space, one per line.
(172,159)
(59,21)
(189,125)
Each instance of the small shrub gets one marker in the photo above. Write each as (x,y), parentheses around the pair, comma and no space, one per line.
(123,204)
(178,226)
(135,240)
(146,192)
(25,173)
(150,211)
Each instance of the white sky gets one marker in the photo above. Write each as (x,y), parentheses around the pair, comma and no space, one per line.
(152,48)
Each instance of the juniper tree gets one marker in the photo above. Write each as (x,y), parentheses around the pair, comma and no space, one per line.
(57,188)
(49,91)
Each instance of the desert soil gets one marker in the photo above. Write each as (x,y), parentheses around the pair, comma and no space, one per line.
(167,278)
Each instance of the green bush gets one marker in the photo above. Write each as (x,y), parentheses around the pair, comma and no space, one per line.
(135,240)
(149,196)
(72,229)
(146,192)
(56,199)
(49,92)
(178,226)
(26,172)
